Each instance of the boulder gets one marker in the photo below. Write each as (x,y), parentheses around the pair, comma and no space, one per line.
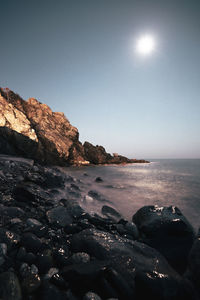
(168,231)
(144,270)
(193,270)
(59,216)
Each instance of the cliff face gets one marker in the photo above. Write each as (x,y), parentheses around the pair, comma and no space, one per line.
(56,140)
(31,129)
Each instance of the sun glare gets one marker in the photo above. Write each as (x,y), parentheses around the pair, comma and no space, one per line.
(145,45)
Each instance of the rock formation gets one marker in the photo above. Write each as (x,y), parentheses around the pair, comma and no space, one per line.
(31,129)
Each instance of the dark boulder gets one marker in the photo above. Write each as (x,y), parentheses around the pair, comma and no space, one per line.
(31,242)
(193,270)
(168,231)
(11,239)
(137,263)
(111,213)
(59,216)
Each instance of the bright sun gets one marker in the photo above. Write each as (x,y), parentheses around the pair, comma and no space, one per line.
(145,45)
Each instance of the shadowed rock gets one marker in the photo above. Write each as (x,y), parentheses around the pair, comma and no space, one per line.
(168,231)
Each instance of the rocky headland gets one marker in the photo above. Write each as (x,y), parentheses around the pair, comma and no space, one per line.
(51,248)
(31,129)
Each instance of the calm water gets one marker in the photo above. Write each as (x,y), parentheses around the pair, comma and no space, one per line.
(129,187)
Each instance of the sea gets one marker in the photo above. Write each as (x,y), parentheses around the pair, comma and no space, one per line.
(162,182)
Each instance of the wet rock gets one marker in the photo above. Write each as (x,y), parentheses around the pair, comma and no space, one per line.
(97,196)
(59,216)
(3,252)
(9,286)
(98,179)
(72,228)
(21,254)
(111,213)
(59,281)
(132,230)
(33,223)
(23,192)
(193,270)
(61,255)
(91,296)
(31,242)
(134,262)
(47,179)
(44,262)
(79,257)
(30,278)
(49,291)
(10,238)
(168,231)
(51,272)
(11,211)
(73,208)
(86,274)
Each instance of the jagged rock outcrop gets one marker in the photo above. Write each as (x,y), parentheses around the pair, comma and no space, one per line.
(31,129)
(98,155)
(56,141)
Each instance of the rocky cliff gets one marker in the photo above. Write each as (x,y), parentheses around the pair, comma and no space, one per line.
(31,129)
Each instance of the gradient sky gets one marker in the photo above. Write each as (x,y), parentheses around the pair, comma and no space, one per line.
(78,57)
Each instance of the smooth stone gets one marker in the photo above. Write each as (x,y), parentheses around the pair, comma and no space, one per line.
(31,242)
(44,263)
(59,216)
(132,230)
(51,272)
(49,291)
(12,212)
(168,231)
(3,249)
(23,192)
(79,257)
(61,255)
(59,281)
(9,286)
(72,228)
(91,296)
(85,274)
(10,238)
(21,253)
(33,222)
(98,179)
(30,278)
(110,212)
(97,196)
(30,258)
(15,221)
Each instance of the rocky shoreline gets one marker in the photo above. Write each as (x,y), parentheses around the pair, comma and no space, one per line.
(50,248)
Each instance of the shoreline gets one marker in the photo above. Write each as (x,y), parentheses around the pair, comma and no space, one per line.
(51,246)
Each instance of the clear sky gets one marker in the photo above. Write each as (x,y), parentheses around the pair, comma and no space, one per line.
(79,57)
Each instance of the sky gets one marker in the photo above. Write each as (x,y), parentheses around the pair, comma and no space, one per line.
(79,57)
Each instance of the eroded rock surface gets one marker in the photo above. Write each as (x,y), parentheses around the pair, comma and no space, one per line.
(31,129)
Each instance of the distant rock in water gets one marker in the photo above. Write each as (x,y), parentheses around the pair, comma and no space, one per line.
(31,129)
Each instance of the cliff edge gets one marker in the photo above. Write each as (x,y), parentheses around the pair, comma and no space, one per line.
(31,129)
